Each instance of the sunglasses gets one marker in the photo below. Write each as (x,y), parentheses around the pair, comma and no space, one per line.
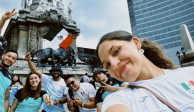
(72,82)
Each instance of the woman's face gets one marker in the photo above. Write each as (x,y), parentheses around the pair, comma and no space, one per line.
(15,78)
(122,59)
(34,80)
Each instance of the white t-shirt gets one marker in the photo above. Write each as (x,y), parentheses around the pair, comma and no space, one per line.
(85,92)
(57,89)
(175,86)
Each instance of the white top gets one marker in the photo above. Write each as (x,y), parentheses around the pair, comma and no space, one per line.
(175,86)
(86,79)
(85,92)
(57,89)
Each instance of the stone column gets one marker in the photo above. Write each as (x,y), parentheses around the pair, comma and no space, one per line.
(22,42)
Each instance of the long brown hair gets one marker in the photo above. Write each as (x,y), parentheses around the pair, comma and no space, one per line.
(27,88)
(152,51)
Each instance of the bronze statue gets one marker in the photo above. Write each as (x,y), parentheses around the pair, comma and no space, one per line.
(57,56)
(3,44)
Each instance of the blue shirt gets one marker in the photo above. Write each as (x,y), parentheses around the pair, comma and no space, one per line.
(5,82)
(29,104)
(12,93)
(57,89)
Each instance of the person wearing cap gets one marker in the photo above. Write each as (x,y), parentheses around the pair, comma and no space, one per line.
(53,85)
(80,96)
(108,86)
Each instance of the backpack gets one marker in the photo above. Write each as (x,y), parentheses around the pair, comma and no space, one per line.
(71,96)
(82,79)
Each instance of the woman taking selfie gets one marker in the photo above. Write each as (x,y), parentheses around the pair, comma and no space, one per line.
(30,98)
(150,74)
(15,86)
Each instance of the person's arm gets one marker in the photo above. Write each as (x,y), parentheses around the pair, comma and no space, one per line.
(110,88)
(70,105)
(88,105)
(118,108)
(31,65)
(14,105)
(6,103)
(5,17)
(62,101)
(99,106)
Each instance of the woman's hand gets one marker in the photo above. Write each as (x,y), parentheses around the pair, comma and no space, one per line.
(48,100)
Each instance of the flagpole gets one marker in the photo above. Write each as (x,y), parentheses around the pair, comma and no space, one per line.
(34,46)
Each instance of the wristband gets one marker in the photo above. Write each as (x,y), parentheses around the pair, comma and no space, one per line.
(82,105)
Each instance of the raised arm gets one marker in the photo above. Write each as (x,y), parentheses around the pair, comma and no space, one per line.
(108,87)
(5,17)
(31,65)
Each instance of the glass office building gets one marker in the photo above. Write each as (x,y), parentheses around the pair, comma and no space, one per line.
(160,20)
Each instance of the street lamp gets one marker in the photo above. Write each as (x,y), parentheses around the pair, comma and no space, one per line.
(183,50)
(179,57)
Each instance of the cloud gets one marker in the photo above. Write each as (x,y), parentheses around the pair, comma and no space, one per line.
(94,18)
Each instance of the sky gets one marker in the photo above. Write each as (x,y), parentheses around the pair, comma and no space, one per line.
(94,18)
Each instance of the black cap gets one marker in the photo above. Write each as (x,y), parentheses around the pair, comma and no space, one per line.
(56,67)
(96,71)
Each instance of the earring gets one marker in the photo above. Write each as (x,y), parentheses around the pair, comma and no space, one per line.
(141,51)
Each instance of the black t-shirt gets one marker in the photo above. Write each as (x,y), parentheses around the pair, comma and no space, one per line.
(5,72)
(32,93)
(111,81)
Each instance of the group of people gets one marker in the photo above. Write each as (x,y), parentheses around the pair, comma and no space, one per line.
(141,79)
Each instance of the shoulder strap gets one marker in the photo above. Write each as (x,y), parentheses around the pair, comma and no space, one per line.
(70,93)
(71,96)
(158,97)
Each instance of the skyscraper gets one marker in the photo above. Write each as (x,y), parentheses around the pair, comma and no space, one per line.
(160,20)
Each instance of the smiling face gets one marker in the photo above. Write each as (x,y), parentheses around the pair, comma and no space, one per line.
(8,59)
(34,80)
(15,78)
(122,58)
(55,73)
(100,77)
(72,84)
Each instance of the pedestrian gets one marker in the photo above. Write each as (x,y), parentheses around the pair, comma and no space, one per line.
(53,85)
(15,86)
(143,65)
(108,86)
(8,59)
(85,78)
(80,95)
(30,98)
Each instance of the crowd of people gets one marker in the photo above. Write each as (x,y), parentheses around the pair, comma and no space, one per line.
(138,78)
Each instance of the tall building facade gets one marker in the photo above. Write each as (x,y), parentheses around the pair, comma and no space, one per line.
(160,20)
